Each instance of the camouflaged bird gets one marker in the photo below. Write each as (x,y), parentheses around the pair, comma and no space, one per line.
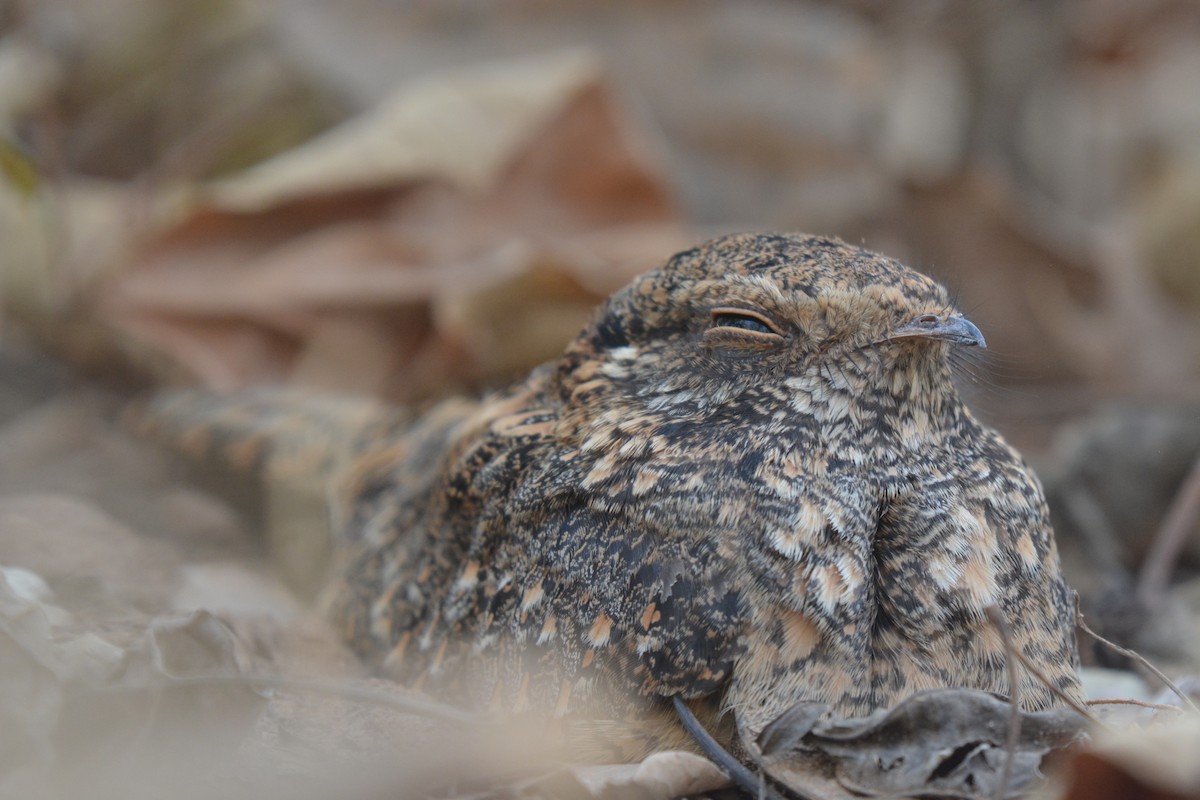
(750,477)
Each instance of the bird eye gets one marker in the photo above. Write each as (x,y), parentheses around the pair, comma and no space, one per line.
(742,320)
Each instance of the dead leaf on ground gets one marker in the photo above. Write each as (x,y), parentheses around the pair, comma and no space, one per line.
(84,553)
(939,743)
(42,655)
(449,239)
(660,776)
(1138,763)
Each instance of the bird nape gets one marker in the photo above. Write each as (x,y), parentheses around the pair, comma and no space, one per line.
(749,479)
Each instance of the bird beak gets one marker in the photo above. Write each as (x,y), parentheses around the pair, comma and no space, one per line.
(955,329)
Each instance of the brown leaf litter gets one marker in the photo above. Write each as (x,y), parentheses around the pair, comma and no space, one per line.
(389,255)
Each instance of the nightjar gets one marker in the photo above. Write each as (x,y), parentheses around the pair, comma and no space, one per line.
(750,477)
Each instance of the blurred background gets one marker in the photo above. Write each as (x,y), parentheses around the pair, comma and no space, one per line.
(412,199)
(1041,158)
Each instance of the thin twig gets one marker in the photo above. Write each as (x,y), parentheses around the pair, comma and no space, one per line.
(997,618)
(1059,693)
(1170,684)
(1129,701)
(1180,521)
(737,772)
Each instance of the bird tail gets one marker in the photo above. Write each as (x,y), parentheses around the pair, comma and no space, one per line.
(275,434)
(282,455)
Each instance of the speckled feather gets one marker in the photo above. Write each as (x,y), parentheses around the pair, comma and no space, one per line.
(682,506)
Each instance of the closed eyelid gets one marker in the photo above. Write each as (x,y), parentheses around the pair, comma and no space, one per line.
(742,312)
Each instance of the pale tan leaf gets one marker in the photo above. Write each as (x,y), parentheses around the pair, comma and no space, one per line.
(1155,761)
(463,127)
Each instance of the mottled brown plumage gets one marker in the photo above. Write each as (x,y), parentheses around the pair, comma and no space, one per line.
(749,477)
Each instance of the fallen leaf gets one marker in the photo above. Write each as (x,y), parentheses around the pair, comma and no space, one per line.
(431,127)
(391,237)
(44,656)
(943,743)
(83,550)
(1138,763)
(660,776)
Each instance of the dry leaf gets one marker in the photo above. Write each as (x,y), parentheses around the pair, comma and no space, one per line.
(943,743)
(30,693)
(76,545)
(44,655)
(430,128)
(367,260)
(1158,761)
(59,241)
(661,775)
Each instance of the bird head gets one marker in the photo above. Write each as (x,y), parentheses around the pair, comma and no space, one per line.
(748,317)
